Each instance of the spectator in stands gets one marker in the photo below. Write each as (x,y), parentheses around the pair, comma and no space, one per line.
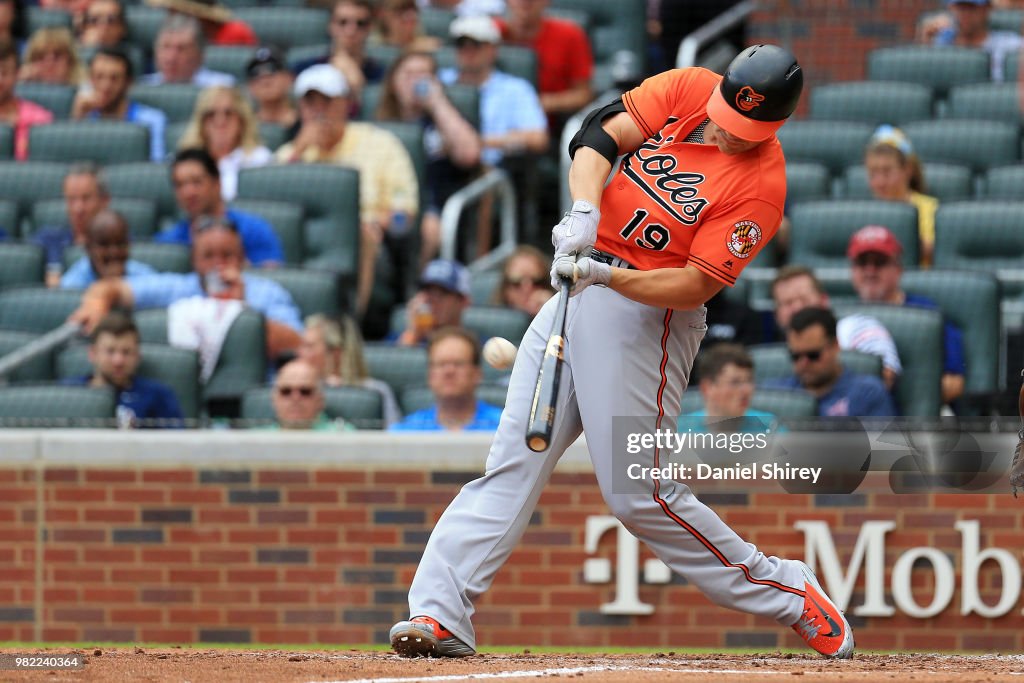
(13,24)
(453,374)
(398,25)
(178,54)
(335,350)
(727,386)
(110,80)
(106,253)
(442,297)
(731,321)
(512,120)
(223,124)
(351,21)
(876,269)
(85,196)
(796,288)
(218,262)
(17,113)
(565,64)
(811,338)
(102,24)
(895,174)
(966,25)
(412,93)
(270,85)
(388,189)
(218,26)
(298,400)
(196,180)
(50,57)
(525,281)
(115,357)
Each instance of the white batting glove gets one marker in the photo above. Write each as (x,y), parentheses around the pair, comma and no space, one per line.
(577,230)
(583,272)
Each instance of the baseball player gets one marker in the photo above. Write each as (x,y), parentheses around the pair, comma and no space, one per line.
(699,193)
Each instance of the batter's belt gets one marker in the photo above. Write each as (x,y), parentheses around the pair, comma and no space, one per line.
(611,260)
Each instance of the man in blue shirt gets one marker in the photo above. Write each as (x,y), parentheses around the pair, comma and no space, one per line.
(813,346)
(106,253)
(114,355)
(110,78)
(85,195)
(453,374)
(196,181)
(726,385)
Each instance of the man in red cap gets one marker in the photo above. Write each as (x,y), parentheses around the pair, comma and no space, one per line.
(876,267)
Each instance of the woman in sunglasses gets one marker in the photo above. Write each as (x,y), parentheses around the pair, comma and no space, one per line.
(525,280)
(102,24)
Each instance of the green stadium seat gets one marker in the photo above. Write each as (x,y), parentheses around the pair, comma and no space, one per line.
(1005,182)
(1006,20)
(421,398)
(982,236)
(918,336)
(21,264)
(871,102)
(56,406)
(399,366)
(496,321)
(36,309)
(273,135)
(55,98)
(139,213)
(1011,67)
(176,100)
(466,99)
(784,402)
(314,291)
(102,142)
(302,53)
(991,143)
(177,368)
(39,17)
(286,26)
(6,142)
(9,222)
(143,24)
(167,258)
(384,54)
(612,26)
(242,364)
(821,231)
(939,68)
(361,407)
(39,369)
(229,59)
(948,182)
(806,181)
(835,144)
(286,219)
(145,180)
(173,133)
(985,101)
(27,182)
(330,196)
(483,287)
(152,324)
(436,21)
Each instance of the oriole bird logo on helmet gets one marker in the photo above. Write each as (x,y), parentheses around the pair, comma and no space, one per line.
(747,98)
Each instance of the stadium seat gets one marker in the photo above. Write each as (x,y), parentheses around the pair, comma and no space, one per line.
(177,368)
(784,402)
(363,408)
(6,142)
(436,21)
(21,264)
(421,398)
(871,102)
(399,366)
(971,302)
(1006,20)
(939,68)
(286,26)
(990,143)
(173,133)
(835,144)
(38,17)
(152,324)
(167,258)
(143,24)
(229,59)
(36,309)
(466,99)
(985,101)
(273,135)
(176,100)
(613,26)
(55,405)
(496,321)
(918,336)
(384,54)
(102,142)
(806,181)
(1011,67)
(27,182)
(39,369)
(55,98)
(144,180)
(242,364)
(314,291)
(330,196)
(286,219)
(1005,182)
(140,214)
(821,230)
(980,236)
(483,286)
(303,53)
(948,182)
(9,223)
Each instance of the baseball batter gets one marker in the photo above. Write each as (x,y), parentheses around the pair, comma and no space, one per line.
(698,195)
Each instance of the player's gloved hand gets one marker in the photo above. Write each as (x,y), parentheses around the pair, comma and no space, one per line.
(577,230)
(583,272)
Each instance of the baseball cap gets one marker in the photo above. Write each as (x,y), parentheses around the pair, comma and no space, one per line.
(324,79)
(449,275)
(874,239)
(478,27)
(266,60)
(760,89)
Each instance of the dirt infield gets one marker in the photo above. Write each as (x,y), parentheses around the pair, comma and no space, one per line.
(231,666)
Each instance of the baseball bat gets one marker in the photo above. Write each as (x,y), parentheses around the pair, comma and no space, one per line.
(545,396)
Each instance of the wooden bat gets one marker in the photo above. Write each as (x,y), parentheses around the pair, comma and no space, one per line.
(545,396)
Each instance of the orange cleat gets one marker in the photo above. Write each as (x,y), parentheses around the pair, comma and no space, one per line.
(822,624)
(424,637)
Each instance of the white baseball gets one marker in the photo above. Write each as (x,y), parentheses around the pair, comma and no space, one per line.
(499,353)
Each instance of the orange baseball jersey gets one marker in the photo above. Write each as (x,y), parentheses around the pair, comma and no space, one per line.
(674,203)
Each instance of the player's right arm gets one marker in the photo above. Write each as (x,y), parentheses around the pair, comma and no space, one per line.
(589,170)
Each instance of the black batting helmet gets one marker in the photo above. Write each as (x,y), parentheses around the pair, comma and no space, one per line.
(759,91)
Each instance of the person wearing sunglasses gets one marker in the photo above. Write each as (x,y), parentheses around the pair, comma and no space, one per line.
(817,369)
(298,400)
(102,24)
(525,284)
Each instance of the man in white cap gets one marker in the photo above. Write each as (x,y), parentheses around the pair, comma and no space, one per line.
(388,190)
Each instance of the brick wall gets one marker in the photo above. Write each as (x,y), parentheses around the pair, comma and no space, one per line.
(314,551)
